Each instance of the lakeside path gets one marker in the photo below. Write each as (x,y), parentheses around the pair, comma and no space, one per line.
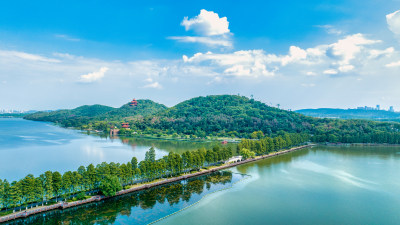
(64,205)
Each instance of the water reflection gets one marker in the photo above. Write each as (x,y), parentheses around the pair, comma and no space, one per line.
(140,207)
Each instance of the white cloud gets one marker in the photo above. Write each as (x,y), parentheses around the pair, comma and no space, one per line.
(155,85)
(210,41)
(342,56)
(310,73)
(207,23)
(346,68)
(26,56)
(347,49)
(393,64)
(375,53)
(295,54)
(330,29)
(330,72)
(251,63)
(94,76)
(393,21)
(213,31)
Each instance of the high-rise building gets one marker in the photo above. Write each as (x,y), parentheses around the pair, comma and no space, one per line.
(391,109)
(378,107)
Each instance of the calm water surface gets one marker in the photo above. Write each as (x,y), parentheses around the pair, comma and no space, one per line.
(323,185)
(35,147)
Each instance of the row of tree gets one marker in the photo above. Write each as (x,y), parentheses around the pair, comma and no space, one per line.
(134,203)
(268,144)
(106,178)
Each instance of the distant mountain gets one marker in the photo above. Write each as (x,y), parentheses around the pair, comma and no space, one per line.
(380,115)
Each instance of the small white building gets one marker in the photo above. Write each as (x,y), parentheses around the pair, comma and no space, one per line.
(234,159)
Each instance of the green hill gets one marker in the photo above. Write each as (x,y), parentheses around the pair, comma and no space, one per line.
(222,115)
(144,108)
(84,115)
(227,115)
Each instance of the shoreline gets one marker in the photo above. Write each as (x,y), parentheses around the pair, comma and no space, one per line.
(64,205)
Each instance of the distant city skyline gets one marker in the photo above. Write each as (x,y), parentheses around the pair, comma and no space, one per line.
(331,54)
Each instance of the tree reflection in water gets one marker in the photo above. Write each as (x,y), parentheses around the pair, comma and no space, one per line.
(140,207)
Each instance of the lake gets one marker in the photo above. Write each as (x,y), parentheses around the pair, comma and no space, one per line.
(35,147)
(319,185)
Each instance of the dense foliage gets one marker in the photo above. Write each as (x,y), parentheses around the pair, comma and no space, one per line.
(99,116)
(225,116)
(106,212)
(106,178)
(267,145)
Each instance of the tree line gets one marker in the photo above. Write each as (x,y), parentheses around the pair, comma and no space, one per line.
(106,212)
(104,178)
(266,145)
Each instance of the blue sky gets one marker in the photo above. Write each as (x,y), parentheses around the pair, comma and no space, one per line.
(299,54)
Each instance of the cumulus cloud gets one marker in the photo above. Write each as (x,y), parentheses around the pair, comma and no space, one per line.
(207,23)
(251,63)
(212,30)
(393,21)
(342,56)
(348,47)
(94,76)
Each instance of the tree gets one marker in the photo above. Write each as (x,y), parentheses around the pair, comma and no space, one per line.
(39,188)
(15,195)
(246,153)
(6,194)
(151,155)
(48,185)
(110,185)
(57,184)
(134,163)
(66,184)
(27,188)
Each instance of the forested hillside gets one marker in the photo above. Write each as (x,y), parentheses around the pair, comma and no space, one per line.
(227,115)
(85,115)
(223,116)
